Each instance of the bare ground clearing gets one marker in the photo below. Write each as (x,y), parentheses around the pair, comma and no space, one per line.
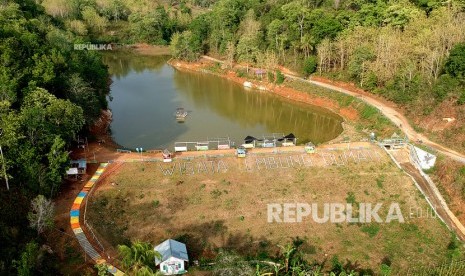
(213,203)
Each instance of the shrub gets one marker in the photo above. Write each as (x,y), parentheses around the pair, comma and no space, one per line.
(216,193)
(368,112)
(444,86)
(240,73)
(270,76)
(371,229)
(279,77)
(310,65)
(351,198)
(380,181)
(461,99)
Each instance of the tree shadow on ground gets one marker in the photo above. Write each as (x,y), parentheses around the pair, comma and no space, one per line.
(204,240)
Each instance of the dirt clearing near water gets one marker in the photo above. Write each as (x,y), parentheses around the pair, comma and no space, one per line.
(221,202)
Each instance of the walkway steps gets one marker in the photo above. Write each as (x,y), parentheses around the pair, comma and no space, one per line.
(74,215)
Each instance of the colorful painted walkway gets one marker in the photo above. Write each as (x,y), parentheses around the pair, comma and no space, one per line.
(76,226)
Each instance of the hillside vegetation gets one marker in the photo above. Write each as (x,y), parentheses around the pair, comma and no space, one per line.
(410,52)
(49,93)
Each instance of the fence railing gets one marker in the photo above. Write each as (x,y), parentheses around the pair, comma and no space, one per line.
(86,223)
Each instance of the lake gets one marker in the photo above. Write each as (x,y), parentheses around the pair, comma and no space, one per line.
(146,91)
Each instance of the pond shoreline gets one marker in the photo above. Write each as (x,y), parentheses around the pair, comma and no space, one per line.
(281,90)
(102,132)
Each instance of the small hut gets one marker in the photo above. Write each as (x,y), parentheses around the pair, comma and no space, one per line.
(72,173)
(249,142)
(174,257)
(260,73)
(77,168)
(310,147)
(289,140)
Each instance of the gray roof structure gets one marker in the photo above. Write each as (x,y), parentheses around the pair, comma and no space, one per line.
(171,248)
(81,163)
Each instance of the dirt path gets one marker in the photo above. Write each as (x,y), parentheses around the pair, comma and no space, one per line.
(448,218)
(391,113)
(395,116)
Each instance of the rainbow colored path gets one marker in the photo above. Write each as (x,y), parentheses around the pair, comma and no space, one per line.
(76,226)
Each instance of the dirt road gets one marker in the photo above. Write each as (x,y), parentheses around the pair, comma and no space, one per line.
(395,116)
(392,114)
(442,211)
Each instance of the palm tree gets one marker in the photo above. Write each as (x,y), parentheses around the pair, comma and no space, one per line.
(139,258)
(288,252)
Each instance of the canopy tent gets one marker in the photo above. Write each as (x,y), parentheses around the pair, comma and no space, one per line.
(250,139)
(290,136)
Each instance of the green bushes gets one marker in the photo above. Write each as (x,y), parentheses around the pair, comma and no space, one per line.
(372,229)
(368,112)
(461,99)
(309,66)
(186,46)
(444,86)
(279,77)
(270,76)
(455,64)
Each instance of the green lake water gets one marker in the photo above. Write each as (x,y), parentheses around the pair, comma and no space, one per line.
(146,92)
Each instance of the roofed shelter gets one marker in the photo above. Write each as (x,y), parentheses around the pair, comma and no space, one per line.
(77,168)
(174,257)
(289,140)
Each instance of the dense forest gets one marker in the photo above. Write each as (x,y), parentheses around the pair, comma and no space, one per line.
(49,93)
(410,52)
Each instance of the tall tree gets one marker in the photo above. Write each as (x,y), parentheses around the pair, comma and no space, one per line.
(455,64)
(139,258)
(186,46)
(277,36)
(248,45)
(29,260)
(41,215)
(296,14)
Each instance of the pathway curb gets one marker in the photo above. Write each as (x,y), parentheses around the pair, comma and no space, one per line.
(76,226)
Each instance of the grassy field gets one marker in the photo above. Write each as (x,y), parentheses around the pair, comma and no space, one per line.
(221,202)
